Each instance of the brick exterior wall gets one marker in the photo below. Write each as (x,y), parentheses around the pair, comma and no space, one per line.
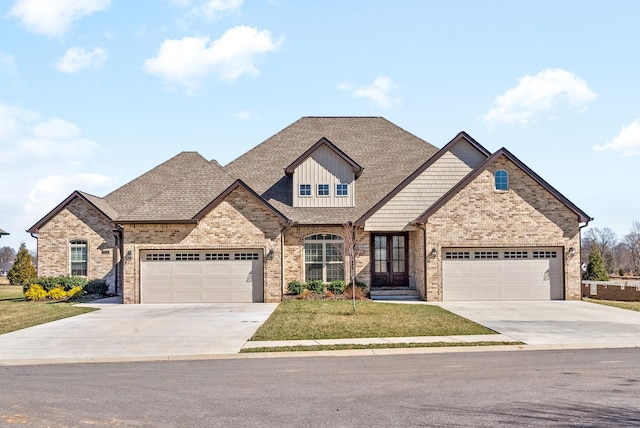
(79,221)
(524,216)
(416,261)
(294,252)
(239,222)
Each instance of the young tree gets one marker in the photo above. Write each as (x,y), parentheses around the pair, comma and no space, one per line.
(595,268)
(353,248)
(22,269)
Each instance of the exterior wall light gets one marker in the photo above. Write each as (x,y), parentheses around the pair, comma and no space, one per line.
(128,256)
(434,252)
(572,251)
(269,255)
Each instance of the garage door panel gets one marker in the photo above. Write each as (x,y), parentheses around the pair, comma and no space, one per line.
(165,279)
(505,277)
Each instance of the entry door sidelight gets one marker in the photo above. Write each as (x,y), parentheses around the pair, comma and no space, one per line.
(389,260)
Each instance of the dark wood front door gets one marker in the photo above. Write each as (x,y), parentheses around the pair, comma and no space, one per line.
(390,260)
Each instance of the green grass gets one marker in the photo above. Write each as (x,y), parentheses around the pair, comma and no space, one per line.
(373,346)
(17,313)
(632,306)
(335,319)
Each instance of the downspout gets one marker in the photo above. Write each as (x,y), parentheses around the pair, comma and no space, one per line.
(118,233)
(424,251)
(35,235)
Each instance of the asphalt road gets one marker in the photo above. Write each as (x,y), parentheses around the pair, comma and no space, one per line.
(587,388)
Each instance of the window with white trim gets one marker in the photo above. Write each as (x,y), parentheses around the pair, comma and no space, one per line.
(342,189)
(323,190)
(323,257)
(305,190)
(502,180)
(78,257)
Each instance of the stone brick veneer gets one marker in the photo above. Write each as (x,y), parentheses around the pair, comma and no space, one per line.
(294,252)
(524,216)
(78,221)
(239,222)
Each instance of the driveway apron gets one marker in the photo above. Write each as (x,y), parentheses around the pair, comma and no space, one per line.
(134,331)
(555,322)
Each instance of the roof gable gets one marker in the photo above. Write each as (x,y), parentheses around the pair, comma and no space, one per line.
(461,136)
(2,232)
(357,169)
(99,204)
(221,197)
(583,217)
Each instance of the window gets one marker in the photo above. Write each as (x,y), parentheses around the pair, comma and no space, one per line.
(456,255)
(545,254)
(78,258)
(187,256)
(323,257)
(342,189)
(502,180)
(246,256)
(485,255)
(305,190)
(323,190)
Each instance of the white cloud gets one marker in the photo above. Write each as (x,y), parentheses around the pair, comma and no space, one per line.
(7,63)
(627,141)
(539,94)
(75,59)
(188,61)
(211,10)
(43,160)
(54,17)
(243,115)
(378,91)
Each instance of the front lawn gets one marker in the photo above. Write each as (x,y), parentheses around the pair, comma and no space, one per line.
(335,319)
(17,313)
(632,306)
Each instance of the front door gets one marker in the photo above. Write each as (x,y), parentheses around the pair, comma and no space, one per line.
(390,260)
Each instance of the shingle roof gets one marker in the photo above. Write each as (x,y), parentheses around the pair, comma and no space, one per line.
(387,153)
(176,190)
(2,232)
(137,193)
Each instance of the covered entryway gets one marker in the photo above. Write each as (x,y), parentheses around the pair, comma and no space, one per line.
(502,274)
(201,276)
(390,260)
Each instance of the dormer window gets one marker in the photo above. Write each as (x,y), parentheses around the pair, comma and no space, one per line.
(305,190)
(342,189)
(323,190)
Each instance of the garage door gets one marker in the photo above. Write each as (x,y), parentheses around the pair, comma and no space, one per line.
(502,274)
(201,276)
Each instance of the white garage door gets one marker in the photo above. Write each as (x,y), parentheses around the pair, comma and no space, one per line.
(502,274)
(201,276)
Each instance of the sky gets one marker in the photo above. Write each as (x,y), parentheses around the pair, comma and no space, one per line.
(94,93)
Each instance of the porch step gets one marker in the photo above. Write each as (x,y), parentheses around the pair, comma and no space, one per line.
(395,293)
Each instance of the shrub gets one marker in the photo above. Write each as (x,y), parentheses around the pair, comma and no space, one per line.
(75,292)
(359,292)
(295,287)
(51,282)
(316,286)
(595,267)
(57,293)
(305,293)
(35,292)
(97,286)
(337,286)
(22,269)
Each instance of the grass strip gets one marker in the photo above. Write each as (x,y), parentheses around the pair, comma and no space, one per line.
(335,319)
(17,313)
(631,306)
(345,346)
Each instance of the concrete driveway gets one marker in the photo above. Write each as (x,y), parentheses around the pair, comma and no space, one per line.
(555,322)
(127,332)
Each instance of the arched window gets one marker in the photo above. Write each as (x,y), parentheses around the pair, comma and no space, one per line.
(502,180)
(323,257)
(78,256)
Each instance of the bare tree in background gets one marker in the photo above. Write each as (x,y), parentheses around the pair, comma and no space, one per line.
(632,244)
(605,241)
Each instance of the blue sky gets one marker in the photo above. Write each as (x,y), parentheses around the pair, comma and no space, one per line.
(95,92)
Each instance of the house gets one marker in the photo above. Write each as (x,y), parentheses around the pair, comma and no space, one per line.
(2,232)
(458,223)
